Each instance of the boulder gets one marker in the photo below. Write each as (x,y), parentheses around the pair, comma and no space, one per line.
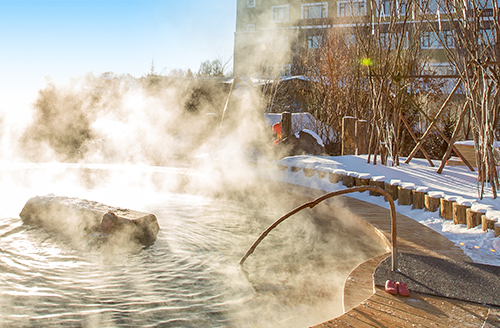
(304,142)
(78,218)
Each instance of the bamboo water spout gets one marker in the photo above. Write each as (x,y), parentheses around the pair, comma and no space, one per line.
(318,200)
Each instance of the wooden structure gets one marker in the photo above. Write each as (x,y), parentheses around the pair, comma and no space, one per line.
(450,207)
(348,135)
(460,213)
(354,136)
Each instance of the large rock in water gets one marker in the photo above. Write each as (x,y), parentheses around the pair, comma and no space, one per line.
(78,218)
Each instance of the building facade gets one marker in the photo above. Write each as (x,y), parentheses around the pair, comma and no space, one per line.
(271,33)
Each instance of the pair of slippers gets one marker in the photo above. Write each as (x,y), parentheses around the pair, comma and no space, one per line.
(396,288)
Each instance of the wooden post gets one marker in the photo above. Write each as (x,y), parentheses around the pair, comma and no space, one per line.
(446,209)
(488,223)
(497,229)
(362,179)
(473,218)
(378,181)
(348,135)
(361,137)
(321,174)
(405,193)
(308,172)
(419,197)
(336,176)
(460,212)
(286,125)
(348,179)
(432,200)
(392,188)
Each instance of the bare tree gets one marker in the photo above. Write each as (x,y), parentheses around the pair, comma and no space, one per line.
(469,32)
(329,63)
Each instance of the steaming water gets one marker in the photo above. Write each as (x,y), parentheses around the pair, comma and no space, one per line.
(190,277)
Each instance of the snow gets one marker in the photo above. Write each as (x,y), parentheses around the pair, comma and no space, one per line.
(303,122)
(455,183)
(313,134)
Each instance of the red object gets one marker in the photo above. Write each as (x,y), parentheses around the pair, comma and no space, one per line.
(277,128)
(403,289)
(275,142)
(390,287)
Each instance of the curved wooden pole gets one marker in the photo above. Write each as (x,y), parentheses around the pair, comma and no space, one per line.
(318,200)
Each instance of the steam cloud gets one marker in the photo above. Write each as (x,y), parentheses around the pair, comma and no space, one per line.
(153,120)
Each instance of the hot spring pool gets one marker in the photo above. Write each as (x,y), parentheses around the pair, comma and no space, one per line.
(189,277)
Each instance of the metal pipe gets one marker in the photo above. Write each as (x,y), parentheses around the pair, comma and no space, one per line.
(318,200)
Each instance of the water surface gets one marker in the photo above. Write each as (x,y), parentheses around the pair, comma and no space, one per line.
(189,277)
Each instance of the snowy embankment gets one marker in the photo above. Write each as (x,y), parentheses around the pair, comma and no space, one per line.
(481,246)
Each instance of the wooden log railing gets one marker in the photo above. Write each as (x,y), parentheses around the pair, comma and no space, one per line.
(318,200)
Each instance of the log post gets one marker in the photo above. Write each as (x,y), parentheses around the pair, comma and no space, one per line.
(474,217)
(432,200)
(348,135)
(460,212)
(488,223)
(321,174)
(378,181)
(419,197)
(286,125)
(361,137)
(308,172)
(405,193)
(336,176)
(281,167)
(392,188)
(446,208)
(348,179)
(362,179)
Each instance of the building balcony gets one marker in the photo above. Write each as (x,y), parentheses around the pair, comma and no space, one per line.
(316,22)
(483,13)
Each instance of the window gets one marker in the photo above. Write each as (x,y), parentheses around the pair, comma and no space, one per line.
(250,27)
(385,8)
(351,8)
(314,41)
(391,40)
(433,6)
(431,40)
(315,10)
(488,37)
(279,14)
(251,3)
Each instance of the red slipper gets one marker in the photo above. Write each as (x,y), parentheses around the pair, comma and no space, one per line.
(402,289)
(390,287)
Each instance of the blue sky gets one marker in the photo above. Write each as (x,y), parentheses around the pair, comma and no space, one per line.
(70,38)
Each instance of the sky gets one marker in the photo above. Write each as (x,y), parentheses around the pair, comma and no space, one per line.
(69,38)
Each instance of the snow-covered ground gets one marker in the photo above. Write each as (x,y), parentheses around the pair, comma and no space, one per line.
(457,181)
